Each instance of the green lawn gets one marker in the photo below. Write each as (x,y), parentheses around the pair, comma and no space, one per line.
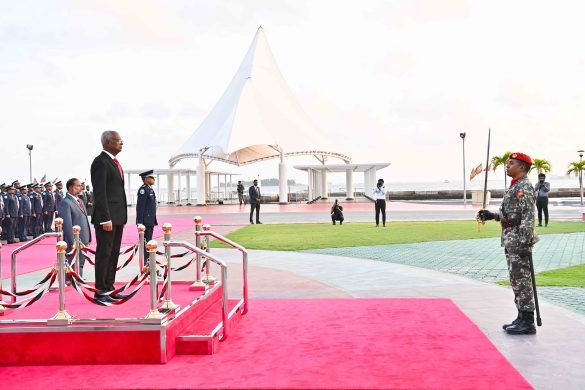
(566,277)
(292,237)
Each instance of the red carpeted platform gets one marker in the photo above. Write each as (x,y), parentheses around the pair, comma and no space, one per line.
(316,344)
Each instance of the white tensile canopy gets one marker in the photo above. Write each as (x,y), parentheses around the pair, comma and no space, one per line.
(257,118)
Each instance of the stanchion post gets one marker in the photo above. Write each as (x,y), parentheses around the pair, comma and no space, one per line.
(62,317)
(154,316)
(2,309)
(59,227)
(77,247)
(168,305)
(141,255)
(198,284)
(208,278)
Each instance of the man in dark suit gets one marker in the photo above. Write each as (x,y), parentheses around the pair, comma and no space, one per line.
(48,207)
(110,212)
(254,193)
(73,212)
(146,206)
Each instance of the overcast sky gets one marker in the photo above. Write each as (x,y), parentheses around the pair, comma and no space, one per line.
(391,81)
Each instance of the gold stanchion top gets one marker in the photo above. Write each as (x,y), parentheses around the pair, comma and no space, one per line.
(141,228)
(61,246)
(76,229)
(197,220)
(167,228)
(58,221)
(151,246)
(207,227)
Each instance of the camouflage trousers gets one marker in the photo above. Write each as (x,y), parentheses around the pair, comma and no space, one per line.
(520,279)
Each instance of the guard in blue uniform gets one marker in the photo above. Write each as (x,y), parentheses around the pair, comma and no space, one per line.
(48,207)
(37,210)
(59,195)
(146,205)
(24,213)
(2,193)
(11,214)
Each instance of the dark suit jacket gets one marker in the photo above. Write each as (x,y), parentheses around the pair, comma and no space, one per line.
(254,195)
(72,215)
(108,192)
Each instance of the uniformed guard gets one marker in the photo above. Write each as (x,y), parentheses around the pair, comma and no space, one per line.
(3,196)
(48,207)
(11,214)
(146,205)
(24,213)
(37,210)
(59,195)
(516,215)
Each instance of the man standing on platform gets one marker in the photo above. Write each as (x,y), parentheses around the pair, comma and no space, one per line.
(542,189)
(516,215)
(254,193)
(36,202)
(48,207)
(146,206)
(72,211)
(110,212)
(59,195)
(11,214)
(380,202)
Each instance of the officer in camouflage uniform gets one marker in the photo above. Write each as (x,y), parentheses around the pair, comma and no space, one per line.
(516,215)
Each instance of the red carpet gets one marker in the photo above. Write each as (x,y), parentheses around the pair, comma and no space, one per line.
(316,344)
(44,254)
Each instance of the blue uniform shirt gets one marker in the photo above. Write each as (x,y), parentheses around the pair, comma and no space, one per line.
(146,206)
(24,202)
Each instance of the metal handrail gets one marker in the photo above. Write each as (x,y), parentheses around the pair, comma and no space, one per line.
(30,243)
(244,260)
(223,265)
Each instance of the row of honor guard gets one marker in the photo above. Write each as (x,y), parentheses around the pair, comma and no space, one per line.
(29,210)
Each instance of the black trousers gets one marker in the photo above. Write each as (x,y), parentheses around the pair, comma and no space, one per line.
(37,225)
(106,256)
(48,221)
(148,231)
(255,206)
(11,229)
(542,206)
(380,207)
(22,229)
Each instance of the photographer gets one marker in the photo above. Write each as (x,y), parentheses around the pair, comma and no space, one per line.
(380,202)
(541,190)
(337,213)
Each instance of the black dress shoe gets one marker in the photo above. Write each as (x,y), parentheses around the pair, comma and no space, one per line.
(258,223)
(252,223)
(103,298)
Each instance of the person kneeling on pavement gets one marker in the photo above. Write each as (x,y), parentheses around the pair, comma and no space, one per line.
(337,213)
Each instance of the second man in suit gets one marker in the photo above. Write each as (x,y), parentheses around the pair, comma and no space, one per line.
(110,212)
(254,192)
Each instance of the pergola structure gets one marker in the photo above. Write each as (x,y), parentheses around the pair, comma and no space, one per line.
(256,119)
(318,177)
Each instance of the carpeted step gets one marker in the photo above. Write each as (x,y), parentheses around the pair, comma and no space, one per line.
(195,339)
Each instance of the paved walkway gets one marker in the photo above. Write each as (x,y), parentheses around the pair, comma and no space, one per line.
(483,259)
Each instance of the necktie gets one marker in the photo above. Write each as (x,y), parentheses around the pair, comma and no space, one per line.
(80,205)
(119,168)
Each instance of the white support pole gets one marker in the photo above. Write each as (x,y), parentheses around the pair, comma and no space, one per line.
(188,188)
(129,188)
(179,189)
(324,187)
(282,181)
(171,187)
(349,185)
(201,183)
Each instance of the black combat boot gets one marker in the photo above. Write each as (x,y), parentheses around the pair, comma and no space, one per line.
(525,325)
(518,317)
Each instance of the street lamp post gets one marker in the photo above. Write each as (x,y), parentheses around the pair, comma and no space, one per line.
(462,135)
(581,177)
(30,148)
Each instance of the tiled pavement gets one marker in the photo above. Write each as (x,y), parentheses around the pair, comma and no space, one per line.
(483,259)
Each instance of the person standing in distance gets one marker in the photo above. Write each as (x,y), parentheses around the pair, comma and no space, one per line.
(241,193)
(73,212)
(146,206)
(254,193)
(516,215)
(541,189)
(380,202)
(110,212)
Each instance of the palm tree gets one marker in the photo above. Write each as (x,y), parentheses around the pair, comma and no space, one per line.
(541,165)
(578,167)
(502,160)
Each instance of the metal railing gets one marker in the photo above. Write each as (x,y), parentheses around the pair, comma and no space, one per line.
(217,236)
(21,248)
(222,264)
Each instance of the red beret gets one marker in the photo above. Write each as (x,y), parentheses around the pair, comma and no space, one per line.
(522,157)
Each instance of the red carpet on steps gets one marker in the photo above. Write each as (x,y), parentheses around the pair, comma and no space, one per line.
(316,344)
